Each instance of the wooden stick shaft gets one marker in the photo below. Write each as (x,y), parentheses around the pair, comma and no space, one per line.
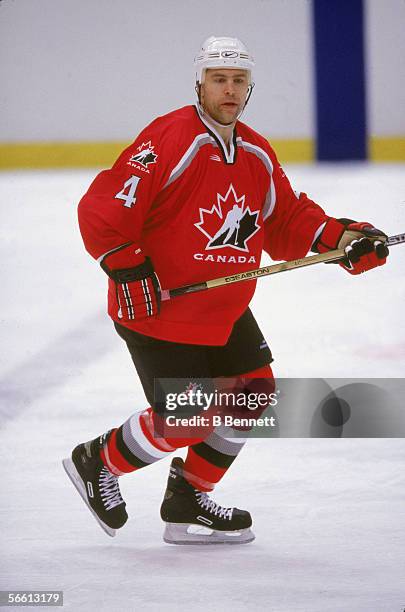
(276,268)
(284,266)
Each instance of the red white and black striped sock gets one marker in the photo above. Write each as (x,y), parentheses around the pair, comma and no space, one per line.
(209,460)
(133,445)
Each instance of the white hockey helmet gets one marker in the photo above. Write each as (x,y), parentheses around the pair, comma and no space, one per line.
(222,52)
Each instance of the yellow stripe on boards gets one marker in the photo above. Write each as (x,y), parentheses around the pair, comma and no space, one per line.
(59,154)
(32,155)
(391,148)
(299,150)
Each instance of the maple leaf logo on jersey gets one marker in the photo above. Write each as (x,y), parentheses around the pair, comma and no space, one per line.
(146,155)
(229,223)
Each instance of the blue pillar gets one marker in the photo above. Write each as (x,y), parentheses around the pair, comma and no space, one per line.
(340,79)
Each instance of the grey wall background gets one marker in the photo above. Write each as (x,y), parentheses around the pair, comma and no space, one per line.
(101,69)
(385,66)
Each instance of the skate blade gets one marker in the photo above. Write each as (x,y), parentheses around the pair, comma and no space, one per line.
(74,476)
(184,533)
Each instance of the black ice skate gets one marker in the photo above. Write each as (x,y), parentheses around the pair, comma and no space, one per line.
(191,517)
(97,485)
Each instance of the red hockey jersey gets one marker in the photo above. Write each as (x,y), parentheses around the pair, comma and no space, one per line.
(199,211)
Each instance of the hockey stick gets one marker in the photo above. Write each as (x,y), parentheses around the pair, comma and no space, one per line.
(336,255)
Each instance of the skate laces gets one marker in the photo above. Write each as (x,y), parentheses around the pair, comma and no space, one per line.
(208,504)
(109,489)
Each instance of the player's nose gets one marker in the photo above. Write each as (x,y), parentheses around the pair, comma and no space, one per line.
(230,88)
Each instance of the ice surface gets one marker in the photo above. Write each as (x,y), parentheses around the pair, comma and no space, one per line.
(328,514)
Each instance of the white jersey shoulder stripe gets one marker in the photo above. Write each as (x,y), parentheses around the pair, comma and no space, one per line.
(270,200)
(189,155)
(256,150)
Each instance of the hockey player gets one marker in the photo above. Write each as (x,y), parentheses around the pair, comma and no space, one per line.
(198,195)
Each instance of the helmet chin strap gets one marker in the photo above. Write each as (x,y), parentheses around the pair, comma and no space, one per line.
(211,119)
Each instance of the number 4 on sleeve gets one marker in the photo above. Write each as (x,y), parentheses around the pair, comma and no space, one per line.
(129,197)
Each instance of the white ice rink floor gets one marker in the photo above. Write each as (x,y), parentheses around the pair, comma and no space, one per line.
(329,514)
